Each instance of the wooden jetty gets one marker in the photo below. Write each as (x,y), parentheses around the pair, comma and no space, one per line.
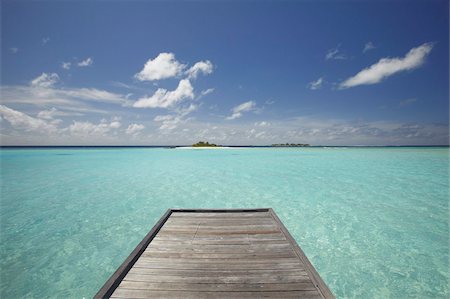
(216,254)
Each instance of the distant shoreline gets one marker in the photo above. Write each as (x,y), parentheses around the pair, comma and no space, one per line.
(225,146)
(203,147)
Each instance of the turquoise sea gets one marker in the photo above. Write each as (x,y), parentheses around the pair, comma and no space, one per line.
(373,221)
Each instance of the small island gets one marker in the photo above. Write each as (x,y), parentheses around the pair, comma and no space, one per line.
(204,144)
(290,145)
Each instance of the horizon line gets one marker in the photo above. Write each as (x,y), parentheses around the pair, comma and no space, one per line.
(429,145)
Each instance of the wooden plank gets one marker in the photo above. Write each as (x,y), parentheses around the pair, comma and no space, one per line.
(206,232)
(218,254)
(259,255)
(215,273)
(213,287)
(211,248)
(247,248)
(216,266)
(229,227)
(209,241)
(219,260)
(221,215)
(127,293)
(222,250)
(221,222)
(193,246)
(220,210)
(192,236)
(254,278)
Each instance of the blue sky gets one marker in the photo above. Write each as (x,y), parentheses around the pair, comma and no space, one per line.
(248,72)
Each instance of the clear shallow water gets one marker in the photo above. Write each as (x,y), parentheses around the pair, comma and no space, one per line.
(373,221)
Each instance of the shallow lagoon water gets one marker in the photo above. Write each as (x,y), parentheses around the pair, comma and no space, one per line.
(373,221)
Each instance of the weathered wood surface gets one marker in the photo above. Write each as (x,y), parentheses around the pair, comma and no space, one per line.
(217,254)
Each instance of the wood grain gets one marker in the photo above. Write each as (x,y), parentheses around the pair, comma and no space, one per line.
(217,254)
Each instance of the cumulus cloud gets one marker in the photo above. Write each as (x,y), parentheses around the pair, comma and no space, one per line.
(316,84)
(45,80)
(66,65)
(335,53)
(161,67)
(262,124)
(201,67)
(13,50)
(25,128)
(87,62)
(22,121)
(315,131)
(19,128)
(368,46)
(244,107)
(163,98)
(172,121)
(86,128)
(387,67)
(134,129)
(115,124)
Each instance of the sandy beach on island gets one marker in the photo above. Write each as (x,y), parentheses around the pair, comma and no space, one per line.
(203,147)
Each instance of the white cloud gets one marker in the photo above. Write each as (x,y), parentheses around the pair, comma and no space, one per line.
(134,129)
(387,67)
(47,114)
(14,50)
(86,128)
(262,124)
(22,121)
(93,94)
(172,121)
(207,91)
(162,67)
(316,84)
(87,62)
(163,117)
(41,93)
(244,107)
(335,53)
(204,93)
(204,67)
(25,127)
(50,114)
(18,128)
(368,46)
(163,98)
(115,125)
(45,40)
(45,80)
(66,65)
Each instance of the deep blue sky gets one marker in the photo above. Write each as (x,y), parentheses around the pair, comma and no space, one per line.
(265,52)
